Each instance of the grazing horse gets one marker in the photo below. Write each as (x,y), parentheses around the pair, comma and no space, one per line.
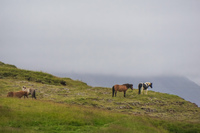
(10,94)
(144,86)
(30,91)
(121,88)
(18,94)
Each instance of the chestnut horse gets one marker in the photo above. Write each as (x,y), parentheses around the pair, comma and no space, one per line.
(121,88)
(18,94)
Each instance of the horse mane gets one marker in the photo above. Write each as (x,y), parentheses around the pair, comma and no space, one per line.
(128,85)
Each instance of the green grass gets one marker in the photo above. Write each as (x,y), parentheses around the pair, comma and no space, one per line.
(39,116)
(77,107)
(22,115)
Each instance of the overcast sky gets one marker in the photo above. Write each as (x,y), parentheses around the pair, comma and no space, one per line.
(120,37)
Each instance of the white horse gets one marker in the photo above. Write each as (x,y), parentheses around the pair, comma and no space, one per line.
(30,91)
(144,86)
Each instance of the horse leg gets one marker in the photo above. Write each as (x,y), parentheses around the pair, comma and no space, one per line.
(115,93)
(139,88)
(33,96)
(142,91)
(124,93)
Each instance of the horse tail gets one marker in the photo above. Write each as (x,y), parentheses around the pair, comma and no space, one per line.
(139,88)
(113,91)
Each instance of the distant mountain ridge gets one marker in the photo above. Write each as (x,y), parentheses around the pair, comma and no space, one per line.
(176,85)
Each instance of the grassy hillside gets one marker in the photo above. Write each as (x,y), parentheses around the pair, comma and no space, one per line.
(66,105)
(11,71)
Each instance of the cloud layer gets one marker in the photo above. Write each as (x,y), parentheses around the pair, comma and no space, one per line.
(132,38)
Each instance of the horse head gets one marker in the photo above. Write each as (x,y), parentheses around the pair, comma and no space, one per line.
(129,86)
(149,84)
(26,89)
(10,94)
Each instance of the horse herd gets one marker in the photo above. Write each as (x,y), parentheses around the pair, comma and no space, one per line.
(125,87)
(121,88)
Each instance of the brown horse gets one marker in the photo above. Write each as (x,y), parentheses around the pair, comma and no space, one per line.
(18,94)
(121,88)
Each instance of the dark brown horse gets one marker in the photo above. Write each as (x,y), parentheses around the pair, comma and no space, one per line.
(121,88)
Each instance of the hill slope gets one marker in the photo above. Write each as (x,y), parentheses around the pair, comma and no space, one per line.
(12,72)
(176,85)
(140,108)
